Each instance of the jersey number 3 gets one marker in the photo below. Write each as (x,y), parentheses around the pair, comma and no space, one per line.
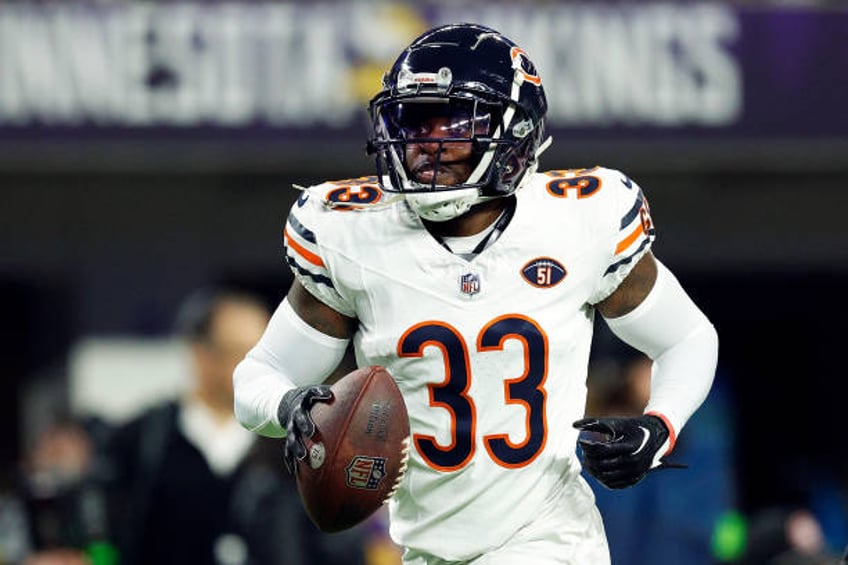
(527,390)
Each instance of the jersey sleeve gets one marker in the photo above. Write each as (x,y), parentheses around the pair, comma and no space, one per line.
(627,231)
(311,261)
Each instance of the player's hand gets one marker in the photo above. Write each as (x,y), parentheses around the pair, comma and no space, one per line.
(293,414)
(628,450)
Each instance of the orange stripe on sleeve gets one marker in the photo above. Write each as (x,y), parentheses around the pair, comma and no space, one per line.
(308,255)
(625,243)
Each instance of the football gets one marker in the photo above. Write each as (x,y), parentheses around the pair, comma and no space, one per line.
(358,455)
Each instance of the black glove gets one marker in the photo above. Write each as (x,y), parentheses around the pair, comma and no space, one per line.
(293,414)
(628,451)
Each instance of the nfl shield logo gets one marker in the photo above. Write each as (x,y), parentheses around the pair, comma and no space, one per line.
(469,284)
(365,472)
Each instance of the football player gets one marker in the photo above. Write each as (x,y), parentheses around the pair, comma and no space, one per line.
(475,279)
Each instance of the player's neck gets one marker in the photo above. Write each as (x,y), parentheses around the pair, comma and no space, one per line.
(477,219)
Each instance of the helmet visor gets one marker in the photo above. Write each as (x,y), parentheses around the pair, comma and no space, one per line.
(435,143)
(440,119)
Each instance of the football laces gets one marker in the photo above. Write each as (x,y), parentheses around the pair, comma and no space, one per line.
(404,464)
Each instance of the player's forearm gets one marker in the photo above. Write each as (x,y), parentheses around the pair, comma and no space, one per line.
(289,354)
(258,391)
(682,376)
(670,329)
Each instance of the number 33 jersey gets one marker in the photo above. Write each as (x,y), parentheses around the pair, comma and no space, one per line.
(491,353)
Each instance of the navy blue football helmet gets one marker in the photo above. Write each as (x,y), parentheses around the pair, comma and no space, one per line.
(490,95)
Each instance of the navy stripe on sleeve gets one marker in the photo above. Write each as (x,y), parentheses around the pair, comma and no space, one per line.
(633,212)
(321,279)
(614,267)
(302,230)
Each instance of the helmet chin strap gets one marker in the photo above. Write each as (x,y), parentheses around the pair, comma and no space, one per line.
(444,206)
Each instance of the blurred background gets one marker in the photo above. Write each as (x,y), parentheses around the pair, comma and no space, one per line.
(149,149)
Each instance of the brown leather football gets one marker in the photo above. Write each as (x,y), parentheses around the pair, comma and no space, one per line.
(358,455)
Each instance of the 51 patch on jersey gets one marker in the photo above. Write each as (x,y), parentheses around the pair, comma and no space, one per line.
(544,272)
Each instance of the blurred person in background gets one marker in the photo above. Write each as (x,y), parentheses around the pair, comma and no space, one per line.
(671,519)
(63,516)
(190,485)
(786,534)
(475,280)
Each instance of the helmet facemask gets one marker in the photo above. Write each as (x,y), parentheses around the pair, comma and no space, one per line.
(459,121)
(420,142)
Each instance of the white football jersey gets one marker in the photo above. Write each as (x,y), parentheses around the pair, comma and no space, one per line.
(491,354)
